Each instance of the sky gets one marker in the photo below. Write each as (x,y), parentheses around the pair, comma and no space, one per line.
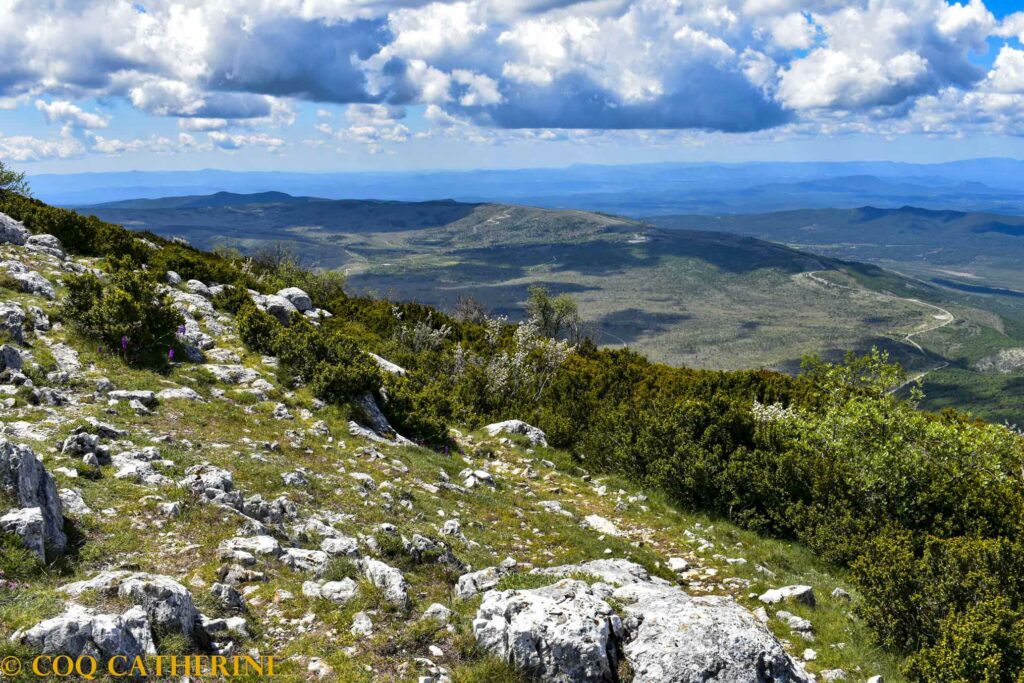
(322,85)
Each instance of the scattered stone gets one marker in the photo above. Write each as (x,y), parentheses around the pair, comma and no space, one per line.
(178,393)
(535,436)
(438,612)
(602,525)
(387,578)
(840,594)
(801,594)
(361,624)
(146,398)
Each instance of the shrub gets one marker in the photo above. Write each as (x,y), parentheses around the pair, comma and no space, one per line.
(232,299)
(257,329)
(983,644)
(127,306)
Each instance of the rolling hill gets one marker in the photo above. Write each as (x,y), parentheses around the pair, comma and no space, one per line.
(704,299)
(965,250)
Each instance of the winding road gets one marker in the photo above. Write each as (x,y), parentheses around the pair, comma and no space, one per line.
(942,319)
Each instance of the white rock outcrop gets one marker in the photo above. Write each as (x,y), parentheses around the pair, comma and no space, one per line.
(534,435)
(568,632)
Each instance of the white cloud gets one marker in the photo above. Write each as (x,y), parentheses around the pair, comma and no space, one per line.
(27,148)
(794,31)
(64,112)
(232,142)
(234,68)
(1007,75)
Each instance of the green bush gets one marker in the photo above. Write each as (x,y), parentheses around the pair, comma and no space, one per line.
(126,306)
(982,644)
(257,329)
(232,299)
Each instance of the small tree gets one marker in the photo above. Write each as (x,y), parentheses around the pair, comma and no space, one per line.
(553,315)
(12,182)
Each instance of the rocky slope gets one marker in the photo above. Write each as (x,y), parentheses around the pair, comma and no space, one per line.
(211,510)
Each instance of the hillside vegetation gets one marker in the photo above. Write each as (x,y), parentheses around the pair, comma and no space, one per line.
(281,426)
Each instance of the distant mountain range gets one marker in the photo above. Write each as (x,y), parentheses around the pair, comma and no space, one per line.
(633,190)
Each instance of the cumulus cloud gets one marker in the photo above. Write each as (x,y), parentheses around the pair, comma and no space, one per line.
(29,148)
(235,141)
(234,68)
(64,112)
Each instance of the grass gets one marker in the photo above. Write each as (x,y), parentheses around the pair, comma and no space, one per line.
(127,531)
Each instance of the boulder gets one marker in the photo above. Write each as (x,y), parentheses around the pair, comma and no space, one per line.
(12,231)
(200,478)
(172,278)
(12,320)
(297,298)
(339,592)
(257,545)
(300,559)
(27,524)
(340,546)
(197,287)
(563,633)
(23,476)
(279,307)
(377,426)
(79,631)
(567,631)
(232,374)
(388,579)
(166,602)
(29,281)
(801,594)
(178,393)
(47,244)
(601,525)
(534,435)
(683,639)
(10,358)
(146,398)
(386,365)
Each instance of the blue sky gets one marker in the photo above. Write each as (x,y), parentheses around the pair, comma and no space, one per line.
(324,85)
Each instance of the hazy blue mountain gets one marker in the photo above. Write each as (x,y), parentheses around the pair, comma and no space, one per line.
(633,190)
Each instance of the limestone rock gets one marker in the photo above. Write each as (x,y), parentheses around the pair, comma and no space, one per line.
(387,578)
(801,594)
(12,231)
(23,476)
(561,633)
(27,524)
(166,602)
(78,631)
(534,435)
(297,298)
